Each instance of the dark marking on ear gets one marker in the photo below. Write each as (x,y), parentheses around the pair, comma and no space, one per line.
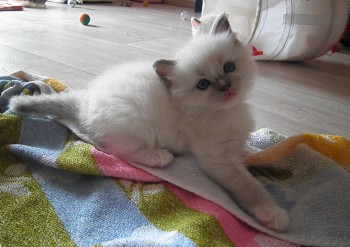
(221,25)
(164,69)
(195,23)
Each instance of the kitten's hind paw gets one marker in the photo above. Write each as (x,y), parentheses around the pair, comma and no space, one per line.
(163,157)
(272,216)
(154,157)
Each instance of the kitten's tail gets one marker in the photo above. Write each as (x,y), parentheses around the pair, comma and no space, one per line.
(54,106)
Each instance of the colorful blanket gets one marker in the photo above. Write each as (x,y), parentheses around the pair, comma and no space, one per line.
(56,190)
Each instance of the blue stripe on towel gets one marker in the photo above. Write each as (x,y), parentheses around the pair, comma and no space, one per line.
(95,210)
(43,133)
(41,140)
(36,154)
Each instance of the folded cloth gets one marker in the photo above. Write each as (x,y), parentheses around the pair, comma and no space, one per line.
(58,190)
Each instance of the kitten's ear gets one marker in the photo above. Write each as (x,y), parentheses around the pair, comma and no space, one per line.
(195,23)
(221,25)
(164,69)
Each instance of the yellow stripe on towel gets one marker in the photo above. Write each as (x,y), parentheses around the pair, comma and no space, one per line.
(336,148)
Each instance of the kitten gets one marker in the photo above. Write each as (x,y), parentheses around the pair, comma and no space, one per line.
(193,104)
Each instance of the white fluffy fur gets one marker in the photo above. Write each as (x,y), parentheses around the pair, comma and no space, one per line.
(147,115)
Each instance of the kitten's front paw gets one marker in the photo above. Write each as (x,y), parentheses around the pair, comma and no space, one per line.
(272,216)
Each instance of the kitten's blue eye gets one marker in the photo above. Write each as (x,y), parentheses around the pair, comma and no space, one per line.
(229,67)
(203,84)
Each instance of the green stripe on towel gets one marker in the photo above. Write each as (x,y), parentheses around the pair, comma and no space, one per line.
(166,211)
(22,224)
(10,129)
(76,157)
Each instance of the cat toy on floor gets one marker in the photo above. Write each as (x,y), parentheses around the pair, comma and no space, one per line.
(84,19)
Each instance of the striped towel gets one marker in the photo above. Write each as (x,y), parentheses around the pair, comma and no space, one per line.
(56,190)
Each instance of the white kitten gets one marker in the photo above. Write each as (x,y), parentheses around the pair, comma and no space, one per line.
(193,104)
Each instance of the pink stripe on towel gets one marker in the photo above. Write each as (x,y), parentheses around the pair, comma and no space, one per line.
(114,167)
(237,231)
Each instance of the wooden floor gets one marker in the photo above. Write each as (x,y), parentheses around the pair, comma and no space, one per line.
(290,98)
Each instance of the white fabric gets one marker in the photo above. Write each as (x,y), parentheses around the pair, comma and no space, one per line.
(290,30)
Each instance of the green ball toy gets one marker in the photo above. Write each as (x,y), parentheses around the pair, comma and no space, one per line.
(84,19)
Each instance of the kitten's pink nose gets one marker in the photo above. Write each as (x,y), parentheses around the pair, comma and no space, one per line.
(224,85)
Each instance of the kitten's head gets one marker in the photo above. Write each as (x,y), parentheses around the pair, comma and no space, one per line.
(213,71)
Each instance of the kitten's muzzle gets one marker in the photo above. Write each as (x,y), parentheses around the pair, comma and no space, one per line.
(223,86)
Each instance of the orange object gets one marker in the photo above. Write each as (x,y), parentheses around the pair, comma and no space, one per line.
(84,19)
(256,52)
